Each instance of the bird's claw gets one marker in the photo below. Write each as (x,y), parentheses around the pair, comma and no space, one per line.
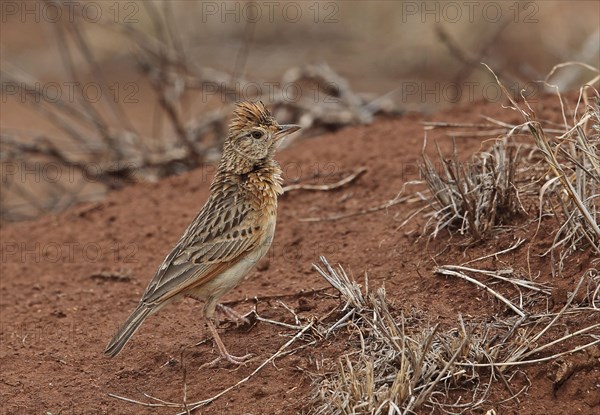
(236,360)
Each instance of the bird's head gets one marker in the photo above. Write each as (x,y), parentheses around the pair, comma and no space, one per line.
(254,135)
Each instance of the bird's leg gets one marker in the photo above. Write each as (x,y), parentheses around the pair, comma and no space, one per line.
(232,314)
(238,360)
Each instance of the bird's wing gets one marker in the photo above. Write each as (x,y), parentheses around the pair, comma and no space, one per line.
(220,236)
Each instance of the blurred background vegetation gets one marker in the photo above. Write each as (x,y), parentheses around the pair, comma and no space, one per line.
(100,94)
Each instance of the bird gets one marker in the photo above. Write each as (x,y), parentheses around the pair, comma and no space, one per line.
(231,233)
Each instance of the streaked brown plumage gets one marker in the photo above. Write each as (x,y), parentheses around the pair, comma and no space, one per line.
(231,233)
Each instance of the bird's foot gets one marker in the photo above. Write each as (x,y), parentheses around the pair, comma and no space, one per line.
(238,360)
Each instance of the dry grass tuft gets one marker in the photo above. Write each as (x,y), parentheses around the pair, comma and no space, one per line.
(571,191)
(399,366)
(472,198)
(572,195)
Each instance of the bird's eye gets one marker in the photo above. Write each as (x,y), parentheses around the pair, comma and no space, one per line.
(257,134)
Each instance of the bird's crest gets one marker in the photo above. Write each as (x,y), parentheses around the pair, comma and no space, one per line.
(250,114)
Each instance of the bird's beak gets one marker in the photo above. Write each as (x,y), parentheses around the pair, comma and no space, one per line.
(285,130)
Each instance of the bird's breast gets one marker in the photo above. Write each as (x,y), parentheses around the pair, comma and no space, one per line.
(264,187)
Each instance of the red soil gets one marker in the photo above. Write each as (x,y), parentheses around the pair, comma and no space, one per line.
(69,279)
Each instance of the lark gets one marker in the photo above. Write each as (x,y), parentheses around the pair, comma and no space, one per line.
(230,234)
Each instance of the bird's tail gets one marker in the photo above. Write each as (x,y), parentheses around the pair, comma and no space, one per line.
(128,329)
